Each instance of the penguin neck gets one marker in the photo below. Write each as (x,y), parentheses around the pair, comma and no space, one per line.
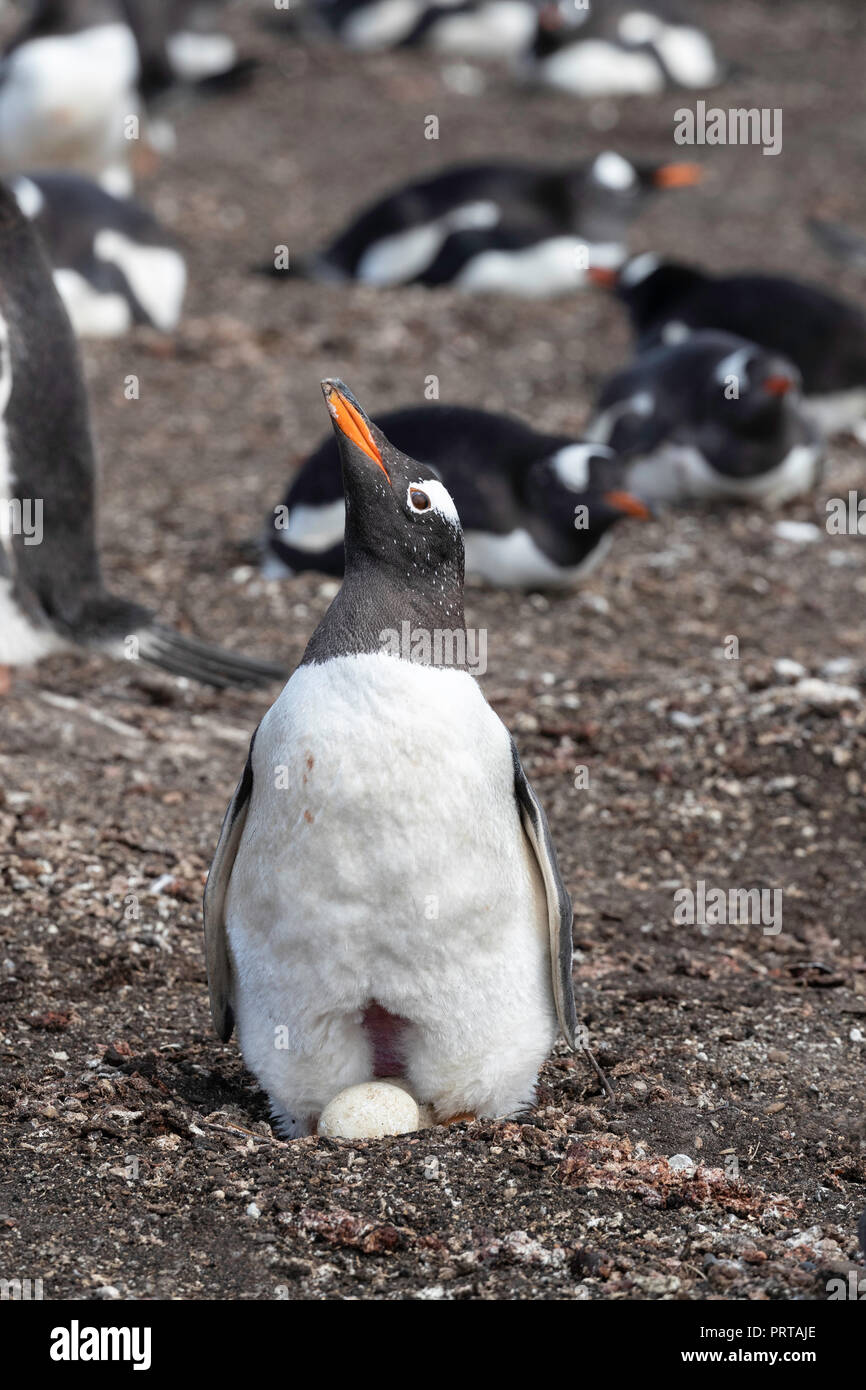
(381,608)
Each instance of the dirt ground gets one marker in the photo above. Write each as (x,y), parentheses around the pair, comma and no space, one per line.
(137,1160)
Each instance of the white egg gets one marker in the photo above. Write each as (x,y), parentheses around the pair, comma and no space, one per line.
(369,1111)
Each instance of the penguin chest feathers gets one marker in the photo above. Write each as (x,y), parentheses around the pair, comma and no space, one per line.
(383,845)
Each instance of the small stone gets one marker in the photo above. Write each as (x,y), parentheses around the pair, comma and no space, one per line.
(254,1211)
(107,1291)
(681,1163)
(799,532)
(825,695)
(369,1111)
(788,670)
(856,1035)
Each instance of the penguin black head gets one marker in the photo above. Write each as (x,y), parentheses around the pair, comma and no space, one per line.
(398,512)
(749,390)
(611,190)
(649,288)
(403,541)
(578,493)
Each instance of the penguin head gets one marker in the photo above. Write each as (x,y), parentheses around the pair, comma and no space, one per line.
(398,512)
(749,390)
(649,288)
(582,488)
(611,190)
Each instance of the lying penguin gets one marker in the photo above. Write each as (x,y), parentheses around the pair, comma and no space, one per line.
(114,265)
(710,417)
(618,48)
(52,594)
(522,227)
(825,337)
(537,510)
(385,897)
(471,28)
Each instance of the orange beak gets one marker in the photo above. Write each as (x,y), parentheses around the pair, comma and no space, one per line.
(602,275)
(626,503)
(778,385)
(351,422)
(677,175)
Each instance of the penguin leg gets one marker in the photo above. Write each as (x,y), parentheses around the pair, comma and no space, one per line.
(472,1072)
(326,1056)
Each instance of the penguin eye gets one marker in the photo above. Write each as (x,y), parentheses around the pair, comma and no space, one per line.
(420,501)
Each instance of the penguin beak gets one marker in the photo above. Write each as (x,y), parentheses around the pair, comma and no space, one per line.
(350,422)
(602,275)
(778,385)
(677,175)
(627,504)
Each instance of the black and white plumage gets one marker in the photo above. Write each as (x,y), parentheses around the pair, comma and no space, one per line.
(521,228)
(76,73)
(470,28)
(616,48)
(383,854)
(710,417)
(114,265)
(824,336)
(52,595)
(537,510)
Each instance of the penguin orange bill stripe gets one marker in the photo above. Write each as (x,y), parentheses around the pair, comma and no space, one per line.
(778,385)
(602,275)
(677,175)
(629,505)
(353,425)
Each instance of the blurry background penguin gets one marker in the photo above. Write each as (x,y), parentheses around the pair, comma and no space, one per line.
(76,73)
(512,227)
(618,48)
(114,265)
(537,510)
(710,417)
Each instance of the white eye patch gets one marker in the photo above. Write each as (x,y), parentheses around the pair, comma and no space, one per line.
(638,269)
(439,498)
(735,364)
(571,464)
(613,171)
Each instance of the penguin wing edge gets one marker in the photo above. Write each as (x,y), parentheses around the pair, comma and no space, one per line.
(560,913)
(219,972)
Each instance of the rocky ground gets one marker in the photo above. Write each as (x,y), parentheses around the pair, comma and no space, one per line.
(137,1160)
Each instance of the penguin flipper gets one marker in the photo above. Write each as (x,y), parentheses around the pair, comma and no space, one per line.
(560,913)
(219,972)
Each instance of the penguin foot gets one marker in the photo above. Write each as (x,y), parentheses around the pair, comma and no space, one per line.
(464,1117)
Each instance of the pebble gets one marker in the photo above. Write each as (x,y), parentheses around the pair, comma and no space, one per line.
(680,1163)
(789,670)
(826,695)
(800,532)
(369,1111)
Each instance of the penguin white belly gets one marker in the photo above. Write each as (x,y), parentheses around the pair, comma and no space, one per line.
(315,529)
(595,68)
(381,24)
(22,644)
(501,29)
(64,100)
(393,260)
(687,54)
(93,313)
(156,274)
(679,473)
(514,561)
(383,861)
(554,266)
(838,411)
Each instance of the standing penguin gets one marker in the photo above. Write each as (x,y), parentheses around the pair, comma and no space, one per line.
(52,595)
(385,896)
(537,510)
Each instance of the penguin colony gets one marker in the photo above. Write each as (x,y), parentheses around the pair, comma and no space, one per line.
(402,785)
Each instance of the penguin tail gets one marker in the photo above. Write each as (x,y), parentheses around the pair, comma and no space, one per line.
(126,630)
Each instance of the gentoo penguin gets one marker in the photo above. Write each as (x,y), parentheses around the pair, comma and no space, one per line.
(114,265)
(536,509)
(823,336)
(385,897)
(52,595)
(68,90)
(616,48)
(517,209)
(471,28)
(710,417)
(77,77)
